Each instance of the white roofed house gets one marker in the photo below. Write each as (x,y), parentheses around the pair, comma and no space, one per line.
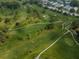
(44,2)
(60,1)
(76,11)
(67,9)
(59,7)
(54,5)
(70,10)
(67,2)
(51,5)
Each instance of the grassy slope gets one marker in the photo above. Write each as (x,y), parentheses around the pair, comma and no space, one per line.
(19,46)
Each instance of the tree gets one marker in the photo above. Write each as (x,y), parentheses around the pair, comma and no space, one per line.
(2,37)
(78,11)
(75,24)
(10,5)
(6,20)
(49,26)
(74,3)
(75,27)
(53,0)
(33,1)
(72,10)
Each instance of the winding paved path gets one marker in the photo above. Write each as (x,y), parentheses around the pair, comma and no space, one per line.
(68,31)
(38,57)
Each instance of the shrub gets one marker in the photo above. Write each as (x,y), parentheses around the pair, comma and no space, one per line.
(10,5)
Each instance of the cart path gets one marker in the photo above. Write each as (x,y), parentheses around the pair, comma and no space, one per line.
(38,57)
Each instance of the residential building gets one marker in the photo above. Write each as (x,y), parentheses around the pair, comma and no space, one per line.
(44,2)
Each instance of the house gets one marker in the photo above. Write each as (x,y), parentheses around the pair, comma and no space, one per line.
(76,14)
(51,5)
(60,1)
(60,6)
(67,9)
(75,8)
(57,6)
(67,2)
(44,2)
